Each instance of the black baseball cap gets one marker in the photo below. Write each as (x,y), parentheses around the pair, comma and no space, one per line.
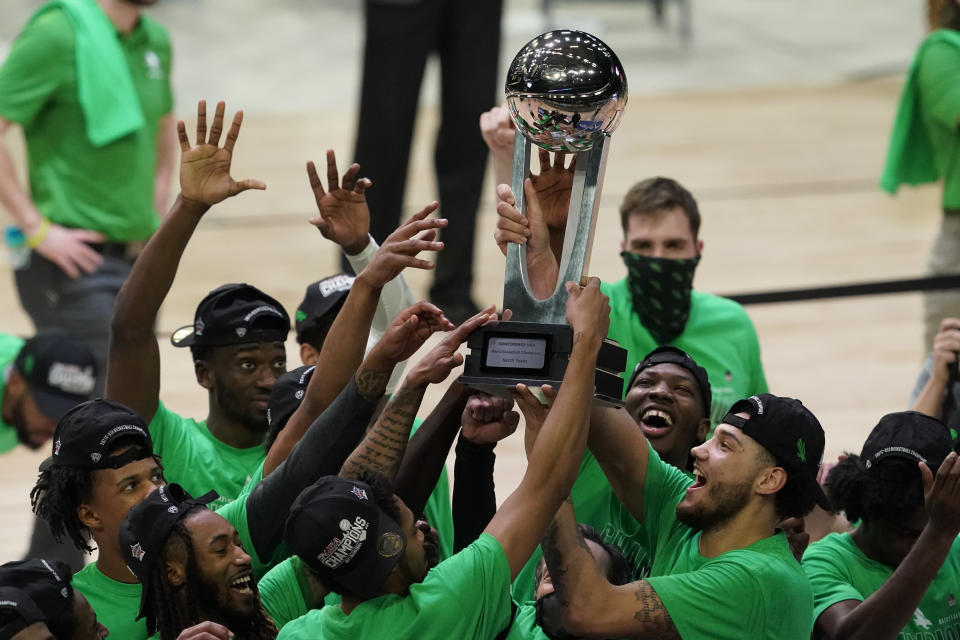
(336,527)
(322,298)
(85,436)
(148,525)
(788,430)
(676,356)
(37,590)
(287,393)
(234,314)
(60,371)
(907,434)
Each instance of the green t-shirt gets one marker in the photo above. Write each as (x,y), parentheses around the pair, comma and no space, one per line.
(9,349)
(719,336)
(438,510)
(525,625)
(72,182)
(465,596)
(285,592)
(757,592)
(838,570)
(196,460)
(117,603)
(938,86)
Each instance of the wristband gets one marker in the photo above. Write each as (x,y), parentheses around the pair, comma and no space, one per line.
(36,238)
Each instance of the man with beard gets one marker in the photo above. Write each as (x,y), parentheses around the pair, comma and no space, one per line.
(721,569)
(236,339)
(669,399)
(655,304)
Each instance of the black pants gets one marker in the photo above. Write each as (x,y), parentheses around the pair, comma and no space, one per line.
(399,38)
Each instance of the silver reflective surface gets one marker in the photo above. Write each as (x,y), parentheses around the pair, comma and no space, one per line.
(565,89)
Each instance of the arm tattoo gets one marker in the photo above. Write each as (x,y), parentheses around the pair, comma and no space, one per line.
(652,615)
(555,564)
(371,384)
(383,447)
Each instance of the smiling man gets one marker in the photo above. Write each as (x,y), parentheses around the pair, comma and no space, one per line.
(669,398)
(721,568)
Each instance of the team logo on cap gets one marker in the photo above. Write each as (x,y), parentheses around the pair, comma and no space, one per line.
(241,331)
(95,457)
(343,548)
(299,394)
(137,551)
(198,327)
(389,545)
(173,509)
(801,450)
(71,378)
(759,403)
(360,493)
(56,447)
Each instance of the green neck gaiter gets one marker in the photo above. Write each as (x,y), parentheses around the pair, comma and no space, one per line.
(660,292)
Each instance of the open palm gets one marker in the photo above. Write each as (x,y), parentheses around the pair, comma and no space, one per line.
(205,168)
(344,216)
(553,186)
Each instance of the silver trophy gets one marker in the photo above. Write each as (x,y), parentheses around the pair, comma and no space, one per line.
(566,92)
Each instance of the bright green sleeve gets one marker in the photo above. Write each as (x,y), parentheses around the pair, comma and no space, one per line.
(40,59)
(663,488)
(284,592)
(939,83)
(439,514)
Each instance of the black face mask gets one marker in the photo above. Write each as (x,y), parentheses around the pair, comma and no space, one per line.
(660,292)
(550,618)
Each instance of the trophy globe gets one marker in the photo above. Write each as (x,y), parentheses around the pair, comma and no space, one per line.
(565,89)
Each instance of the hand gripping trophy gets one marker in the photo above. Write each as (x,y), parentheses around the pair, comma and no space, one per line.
(566,92)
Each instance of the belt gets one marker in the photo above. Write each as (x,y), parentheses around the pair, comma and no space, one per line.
(122,250)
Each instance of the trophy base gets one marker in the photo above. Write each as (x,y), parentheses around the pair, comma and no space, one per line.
(510,353)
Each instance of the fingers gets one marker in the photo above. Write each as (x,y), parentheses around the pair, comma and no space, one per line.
(423,213)
(206,631)
(506,315)
(544,159)
(201,122)
(534,212)
(315,185)
(217,128)
(414,226)
(926,476)
(460,334)
(86,235)
(234,132)
(333,180)
(350,177)
(507,230)
(362,185)
(182,135)
(249,183)
(528,404)
(505,194)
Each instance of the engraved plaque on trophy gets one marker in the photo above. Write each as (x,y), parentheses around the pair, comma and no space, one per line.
(566,92)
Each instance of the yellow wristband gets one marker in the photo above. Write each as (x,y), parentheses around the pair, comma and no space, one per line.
(34,240)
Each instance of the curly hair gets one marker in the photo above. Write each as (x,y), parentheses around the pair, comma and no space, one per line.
(620,571)
(794,500)
(889,492)
(175,608)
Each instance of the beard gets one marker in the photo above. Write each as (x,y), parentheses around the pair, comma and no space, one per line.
(229,403)
(214,603)
(727,501)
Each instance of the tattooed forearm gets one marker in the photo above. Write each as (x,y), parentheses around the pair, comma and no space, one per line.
(372,383)
(555,564)
(652,615)
(383,447)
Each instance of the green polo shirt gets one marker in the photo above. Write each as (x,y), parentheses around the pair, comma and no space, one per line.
(9,349)
(72,182)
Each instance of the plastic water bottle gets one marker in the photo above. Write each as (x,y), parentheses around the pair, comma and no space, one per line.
(17,245)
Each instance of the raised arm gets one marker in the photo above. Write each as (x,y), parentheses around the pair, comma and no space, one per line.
(885,613)
(345,344)
(385,444)
(592,607)
(523,517)
(133,359)
(620,447)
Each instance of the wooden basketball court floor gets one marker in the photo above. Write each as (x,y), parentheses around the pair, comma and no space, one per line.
(786,181)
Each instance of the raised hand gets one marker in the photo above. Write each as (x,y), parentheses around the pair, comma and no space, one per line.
(531,230)
(487,419)
(553,185)
(205,168)
(437,364)
(206,631)
(401,247)
(942,495)
(344,217)
(409,330)
(498,131)
(533,410)
(588,311)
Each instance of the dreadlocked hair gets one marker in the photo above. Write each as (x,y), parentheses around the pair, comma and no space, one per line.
(169,613)
(888,492)
(55,498)
(620,571)
(60,491)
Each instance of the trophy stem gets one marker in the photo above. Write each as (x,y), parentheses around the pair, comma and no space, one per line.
(578,238)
